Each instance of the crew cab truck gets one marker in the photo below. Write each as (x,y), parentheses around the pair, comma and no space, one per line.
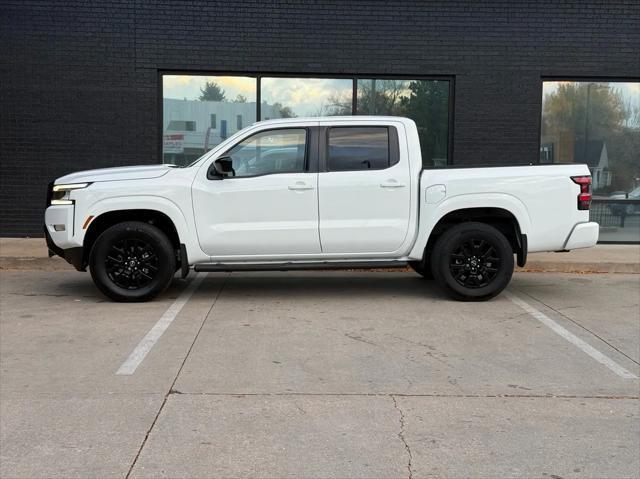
(319,193)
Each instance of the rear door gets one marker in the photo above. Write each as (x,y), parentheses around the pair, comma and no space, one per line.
(364,189)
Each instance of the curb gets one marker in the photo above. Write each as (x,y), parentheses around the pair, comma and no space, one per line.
(22,263)
(580,267)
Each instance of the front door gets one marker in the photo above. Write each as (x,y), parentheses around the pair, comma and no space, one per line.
(270,207)
(365,191)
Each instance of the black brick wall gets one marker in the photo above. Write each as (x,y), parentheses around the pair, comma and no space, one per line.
(79,80)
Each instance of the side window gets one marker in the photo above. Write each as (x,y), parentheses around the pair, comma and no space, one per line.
(271,151)
(359,148)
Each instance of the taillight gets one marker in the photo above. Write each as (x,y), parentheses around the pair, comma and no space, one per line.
(584,197)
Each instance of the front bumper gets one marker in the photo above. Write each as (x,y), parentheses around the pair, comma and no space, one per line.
(584,235)
(62,242)
(73,256)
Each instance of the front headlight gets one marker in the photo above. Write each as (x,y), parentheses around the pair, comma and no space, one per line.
(61,194)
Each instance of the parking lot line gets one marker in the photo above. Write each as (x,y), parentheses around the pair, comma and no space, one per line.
(573,339)
(144,346)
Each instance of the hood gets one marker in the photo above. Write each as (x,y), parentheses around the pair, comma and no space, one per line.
(112,174)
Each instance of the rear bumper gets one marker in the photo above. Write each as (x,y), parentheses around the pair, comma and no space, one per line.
(584,235)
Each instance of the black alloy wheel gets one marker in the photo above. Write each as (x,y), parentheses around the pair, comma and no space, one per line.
(472,261)
(132,261)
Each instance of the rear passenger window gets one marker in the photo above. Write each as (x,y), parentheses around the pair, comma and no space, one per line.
(358,148)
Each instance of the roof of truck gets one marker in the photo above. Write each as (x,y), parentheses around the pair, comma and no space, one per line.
(350,118)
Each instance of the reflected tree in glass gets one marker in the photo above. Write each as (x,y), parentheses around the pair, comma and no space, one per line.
(424,101)
(428,106)
(596,123)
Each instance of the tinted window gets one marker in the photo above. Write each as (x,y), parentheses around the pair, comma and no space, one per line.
(271,151)
(358,148)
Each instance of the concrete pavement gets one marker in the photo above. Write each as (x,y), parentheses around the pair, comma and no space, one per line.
(320,374)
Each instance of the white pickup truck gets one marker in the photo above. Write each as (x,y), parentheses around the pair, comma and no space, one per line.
(319,193)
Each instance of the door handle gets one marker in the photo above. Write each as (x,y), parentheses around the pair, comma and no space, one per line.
(300,186)
(392,184)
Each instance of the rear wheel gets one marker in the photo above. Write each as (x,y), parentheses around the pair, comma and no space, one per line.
(472,261)
(132,261)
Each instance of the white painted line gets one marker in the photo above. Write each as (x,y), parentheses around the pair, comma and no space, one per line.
(144,346)
(573,339)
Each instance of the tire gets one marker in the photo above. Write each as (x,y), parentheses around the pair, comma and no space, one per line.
(472,262)
(132,261)
(422,268)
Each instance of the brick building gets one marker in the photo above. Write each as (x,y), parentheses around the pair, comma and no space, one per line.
(86,84)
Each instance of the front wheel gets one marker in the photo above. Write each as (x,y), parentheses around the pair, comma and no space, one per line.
(132,261)
(472,261)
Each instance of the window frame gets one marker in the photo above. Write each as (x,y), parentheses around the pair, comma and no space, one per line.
(393,147)
(309,134)
(451,79)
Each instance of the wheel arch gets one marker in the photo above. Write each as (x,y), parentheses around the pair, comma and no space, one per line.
(508,215)
(100,223)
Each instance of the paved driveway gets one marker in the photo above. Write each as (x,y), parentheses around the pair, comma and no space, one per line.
(322,374)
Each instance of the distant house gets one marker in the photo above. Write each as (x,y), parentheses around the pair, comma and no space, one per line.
(594,154)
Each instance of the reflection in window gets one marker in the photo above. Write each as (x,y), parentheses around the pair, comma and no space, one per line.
(201,111)
(424,101)
(308,97)
(354,148)
(176,125)
(267,152)
(598,124)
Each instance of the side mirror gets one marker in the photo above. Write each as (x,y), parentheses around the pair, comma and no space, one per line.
(220,168)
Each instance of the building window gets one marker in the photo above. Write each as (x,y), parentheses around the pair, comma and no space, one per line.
(598,124)
(216,100)
(212,104)
(180,125)
(424,101)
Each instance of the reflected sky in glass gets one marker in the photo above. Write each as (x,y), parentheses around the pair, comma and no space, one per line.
(188,87)
(307,96)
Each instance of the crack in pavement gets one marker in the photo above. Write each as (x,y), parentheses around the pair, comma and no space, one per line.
(360,339)
(401,435)
(172,389)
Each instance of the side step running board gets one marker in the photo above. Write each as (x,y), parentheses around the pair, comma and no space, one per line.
(212,267)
